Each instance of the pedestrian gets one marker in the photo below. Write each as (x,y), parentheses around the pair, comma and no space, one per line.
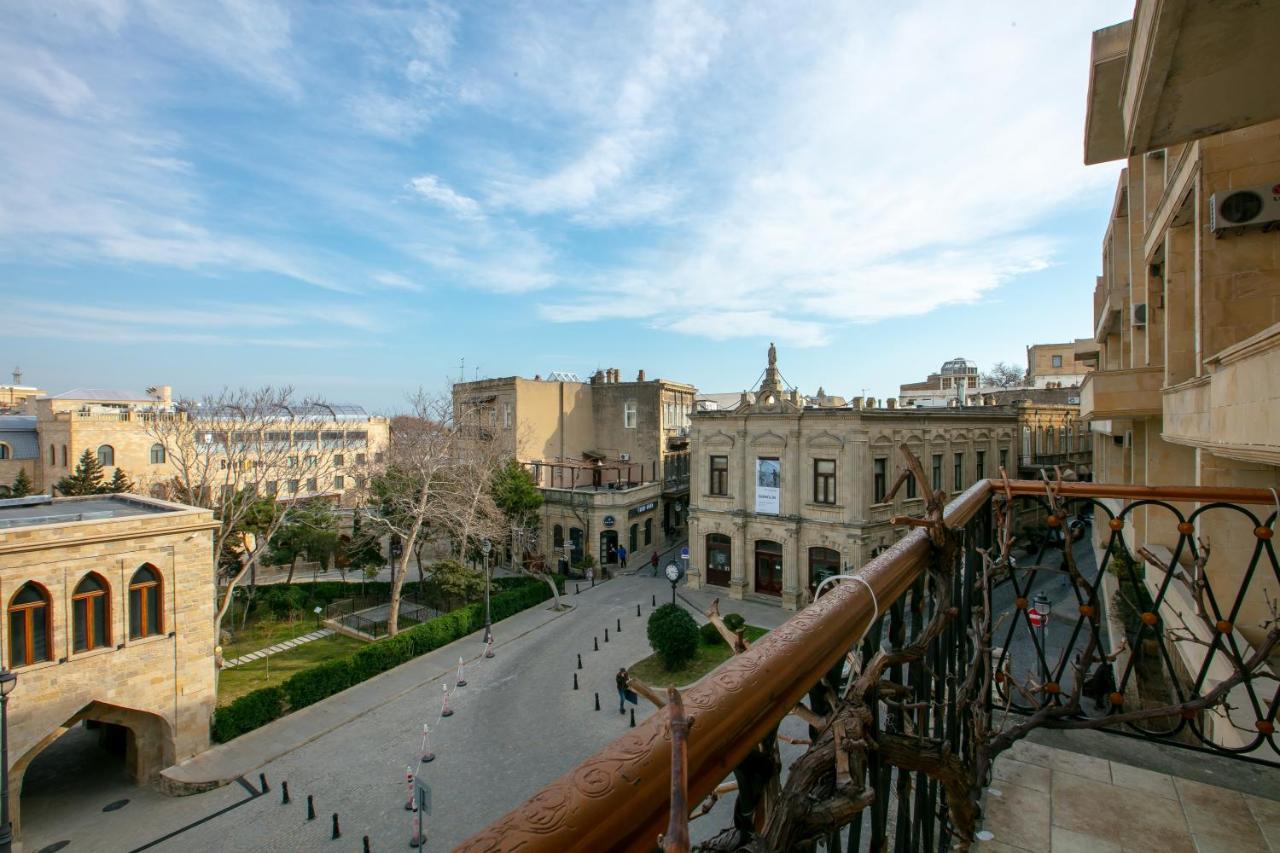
(613,554)
(623,681)
(653,561)
(622,557)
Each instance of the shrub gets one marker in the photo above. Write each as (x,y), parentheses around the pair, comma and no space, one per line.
(734,621)
(247,713)
(710,636)
(673,635)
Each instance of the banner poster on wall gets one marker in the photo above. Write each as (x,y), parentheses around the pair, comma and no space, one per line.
(768,481)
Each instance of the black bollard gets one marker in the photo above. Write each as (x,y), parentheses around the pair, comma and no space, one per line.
(337,833)
(597,701)
(633,718)
(579,660)
(606,635)
(262,779)
(575,681)
(653,600)
(576,589)
(311,808)
(619,626)
(366,844)
(596,642)
(637,609)
(284,792)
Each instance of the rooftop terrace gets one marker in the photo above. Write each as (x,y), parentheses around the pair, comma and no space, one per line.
(42,509)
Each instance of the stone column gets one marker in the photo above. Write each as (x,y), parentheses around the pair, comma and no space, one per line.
(791,588)
(742,558)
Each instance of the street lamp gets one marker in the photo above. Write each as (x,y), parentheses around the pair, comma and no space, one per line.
(7,682)
(1041,608)
(485,547)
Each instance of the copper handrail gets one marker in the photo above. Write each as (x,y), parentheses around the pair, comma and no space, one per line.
(618,798)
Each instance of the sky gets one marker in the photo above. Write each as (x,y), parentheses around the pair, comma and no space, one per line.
(360,200)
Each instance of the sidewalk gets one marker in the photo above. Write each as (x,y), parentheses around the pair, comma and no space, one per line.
(223,763)
(278,647)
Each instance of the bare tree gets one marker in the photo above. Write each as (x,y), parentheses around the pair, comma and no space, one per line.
(1004,375)
(245,455)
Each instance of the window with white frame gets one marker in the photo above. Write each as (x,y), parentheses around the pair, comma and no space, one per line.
(506,416)
(629,414)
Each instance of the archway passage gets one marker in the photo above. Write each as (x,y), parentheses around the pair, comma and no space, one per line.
(102,755)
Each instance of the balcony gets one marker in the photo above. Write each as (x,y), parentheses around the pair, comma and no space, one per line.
(1164,77)
(1119,394)
(900,766)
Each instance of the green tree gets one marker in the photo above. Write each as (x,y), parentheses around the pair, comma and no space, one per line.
(456,581)
(516,494)
(673,635)
(309,530)
(22,485)
(120,483)
(361,550)
(86,479)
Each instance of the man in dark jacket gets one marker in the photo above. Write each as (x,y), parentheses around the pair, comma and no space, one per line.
(622,681)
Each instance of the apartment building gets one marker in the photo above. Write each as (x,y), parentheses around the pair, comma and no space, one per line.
(950,386)
(1186,334)
(784,492)
(1055,366)
(109,606)
(334,445)
(611,457)
(13,397)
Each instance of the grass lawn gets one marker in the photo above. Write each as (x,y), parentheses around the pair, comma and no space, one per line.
(264,631)
(651,671)
(274,669)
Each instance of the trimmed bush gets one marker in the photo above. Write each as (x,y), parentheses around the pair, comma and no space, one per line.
(673,635)
(710,636)
(734,621)
(248,713)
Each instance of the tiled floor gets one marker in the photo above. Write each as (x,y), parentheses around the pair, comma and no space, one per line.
(1048,800)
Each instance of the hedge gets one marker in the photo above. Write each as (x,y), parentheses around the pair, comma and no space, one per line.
(317,682)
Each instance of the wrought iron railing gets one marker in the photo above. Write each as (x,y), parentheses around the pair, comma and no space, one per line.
(619,798)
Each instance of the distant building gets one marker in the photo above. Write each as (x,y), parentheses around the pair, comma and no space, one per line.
(610,457)
(786,490)
(109,606)
(13,397)
(950,386)
(1055,366)
(118,427)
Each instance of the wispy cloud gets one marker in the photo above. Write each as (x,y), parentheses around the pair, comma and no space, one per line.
(433,189)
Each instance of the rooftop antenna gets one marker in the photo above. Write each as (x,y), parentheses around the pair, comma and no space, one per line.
(462,370)
(17,376)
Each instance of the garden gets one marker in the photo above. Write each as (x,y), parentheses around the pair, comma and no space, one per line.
(684,652)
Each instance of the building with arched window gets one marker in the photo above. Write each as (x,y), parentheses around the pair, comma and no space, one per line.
(119,634)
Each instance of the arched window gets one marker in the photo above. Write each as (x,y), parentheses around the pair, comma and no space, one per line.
(557,536)
(29,626)
(5,453)
(91,614)
(106,455)
(719,558)
(53,458)
(157,454)
(145,618)
(648,531)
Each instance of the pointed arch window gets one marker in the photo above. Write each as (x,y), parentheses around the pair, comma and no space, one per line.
(91,613)
(145,617)
(30,626)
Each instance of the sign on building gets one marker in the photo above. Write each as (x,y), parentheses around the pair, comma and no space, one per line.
(768,483)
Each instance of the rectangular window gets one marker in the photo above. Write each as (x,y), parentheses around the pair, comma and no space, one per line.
(911,486)
(339,482)
(1004,458)
(506,415)
(338,460)
(982,465)
(1057,361)
(719,475)
(958,478)
(291,462)
(629,414)
(937,471)
(361,459)
(378,457)
(824,481)
(311,461)
(311,484)
(880,487)
(292,486)
(271,488)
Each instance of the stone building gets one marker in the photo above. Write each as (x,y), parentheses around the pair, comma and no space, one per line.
(1055,366)
(109,606)
(119,428)
(784,494)
(1186,334)
(610,457)
(14,396)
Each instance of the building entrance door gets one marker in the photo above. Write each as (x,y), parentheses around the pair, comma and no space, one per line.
(608,540)
(768,567)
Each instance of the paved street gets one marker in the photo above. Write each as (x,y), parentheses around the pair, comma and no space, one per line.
(518,724)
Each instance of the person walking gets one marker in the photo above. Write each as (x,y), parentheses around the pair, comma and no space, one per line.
(653,561)
(622,557)
(622,681)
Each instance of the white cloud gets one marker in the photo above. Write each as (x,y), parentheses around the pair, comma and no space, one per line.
(432,188)
(396,281)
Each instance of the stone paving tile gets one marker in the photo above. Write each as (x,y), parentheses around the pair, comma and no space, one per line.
(1019,816)
(1016,772)
(1160,784)
(1061,760)
(1066,841)
(1131,816)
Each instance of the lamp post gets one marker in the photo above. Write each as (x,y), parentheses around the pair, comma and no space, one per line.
(485,547)
(7,682)
(1040,604)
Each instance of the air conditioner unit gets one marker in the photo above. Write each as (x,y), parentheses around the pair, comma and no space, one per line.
(1245,206)
(625,457)
(1140,314)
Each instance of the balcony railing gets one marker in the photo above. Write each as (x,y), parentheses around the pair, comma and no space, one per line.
(619,798)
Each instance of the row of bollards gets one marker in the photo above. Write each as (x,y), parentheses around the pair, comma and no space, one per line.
(595,646)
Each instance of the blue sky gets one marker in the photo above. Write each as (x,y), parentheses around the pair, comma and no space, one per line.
(352,200)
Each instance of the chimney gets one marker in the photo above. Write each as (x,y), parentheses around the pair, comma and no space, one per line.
(856,403)
(893,402)
(166,394)
(597,378)
(640,376)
